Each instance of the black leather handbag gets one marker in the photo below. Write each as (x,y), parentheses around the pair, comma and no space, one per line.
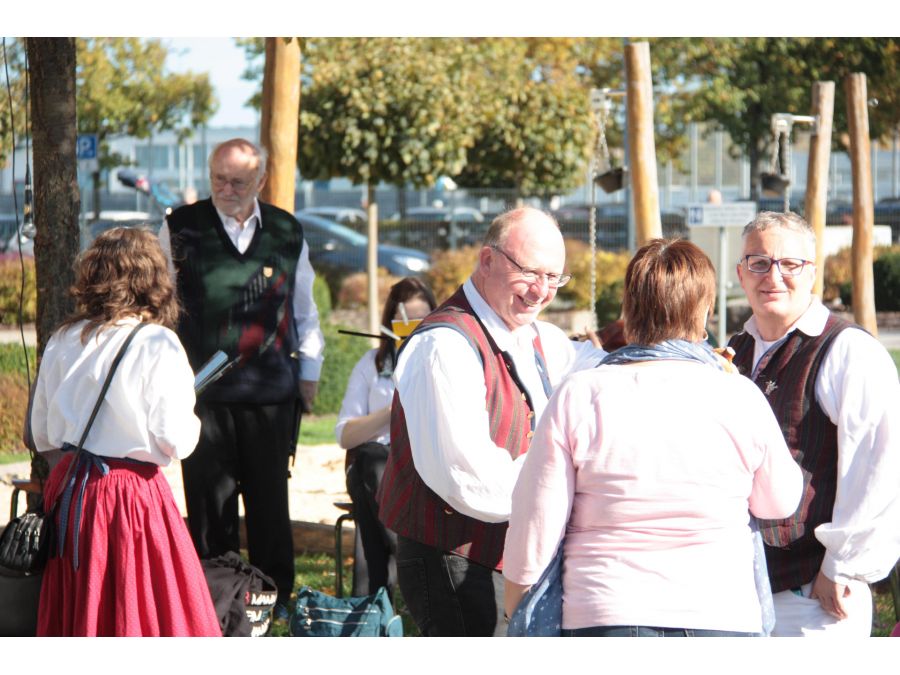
(25,542)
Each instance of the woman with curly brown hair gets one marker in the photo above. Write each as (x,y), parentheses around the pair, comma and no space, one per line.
(127,566)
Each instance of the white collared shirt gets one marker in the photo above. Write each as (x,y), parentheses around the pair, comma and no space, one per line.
(306,315)
(858,389)
(440,381)
(148,411)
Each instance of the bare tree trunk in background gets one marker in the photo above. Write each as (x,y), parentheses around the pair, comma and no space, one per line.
(56,197)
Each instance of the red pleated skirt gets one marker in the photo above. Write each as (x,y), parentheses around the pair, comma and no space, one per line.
(138,573)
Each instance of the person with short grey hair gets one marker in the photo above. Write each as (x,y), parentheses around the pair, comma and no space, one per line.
(245,280)
(834,389)
(471,383)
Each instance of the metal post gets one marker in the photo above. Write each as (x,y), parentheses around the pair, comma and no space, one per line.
(723,283)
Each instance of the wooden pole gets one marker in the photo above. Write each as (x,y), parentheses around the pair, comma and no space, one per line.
(372,263)
(863,207)
(280,120)
(641,145)
(817,173)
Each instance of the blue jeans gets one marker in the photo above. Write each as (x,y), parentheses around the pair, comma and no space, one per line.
(650,631)
(448,595)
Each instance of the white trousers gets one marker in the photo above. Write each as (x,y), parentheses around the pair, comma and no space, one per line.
(797,616)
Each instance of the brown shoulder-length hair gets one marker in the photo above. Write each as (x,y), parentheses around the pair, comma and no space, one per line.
(404,290)
(669,286)
(123,273)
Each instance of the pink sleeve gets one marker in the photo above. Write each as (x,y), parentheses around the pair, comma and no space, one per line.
(778,481)
(542,498)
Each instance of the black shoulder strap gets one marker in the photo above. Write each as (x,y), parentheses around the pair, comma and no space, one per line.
(112,371)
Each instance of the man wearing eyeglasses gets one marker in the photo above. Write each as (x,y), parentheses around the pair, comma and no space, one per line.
(245,281)
(834,390)
(472,381)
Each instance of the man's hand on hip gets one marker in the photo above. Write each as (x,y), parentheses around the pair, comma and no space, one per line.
(830,595)
(308,390)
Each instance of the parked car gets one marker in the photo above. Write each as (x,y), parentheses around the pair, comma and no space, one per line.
(336,250)
(436,227)
(162,198)
(344,215)
(611,221)
(440,214)
(90,229)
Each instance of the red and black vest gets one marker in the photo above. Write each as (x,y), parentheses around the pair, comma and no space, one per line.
(412,509)
(788,381)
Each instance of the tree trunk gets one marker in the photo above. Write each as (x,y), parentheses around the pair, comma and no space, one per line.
(280,120)
(56,197)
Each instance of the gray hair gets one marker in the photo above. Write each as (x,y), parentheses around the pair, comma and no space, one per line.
(787,221)
(500,226)
(261,154)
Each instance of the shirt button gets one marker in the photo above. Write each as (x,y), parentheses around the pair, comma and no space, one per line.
(531,415)
(449,512)
(529,434)
(524,398)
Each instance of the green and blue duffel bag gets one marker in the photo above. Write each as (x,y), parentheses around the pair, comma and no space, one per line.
(320,615)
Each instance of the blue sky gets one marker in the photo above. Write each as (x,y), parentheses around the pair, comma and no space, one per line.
(224,61)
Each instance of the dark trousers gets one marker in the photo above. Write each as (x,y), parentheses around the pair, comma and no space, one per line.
(377,566)
(448,595)
(650,631)
(244,450)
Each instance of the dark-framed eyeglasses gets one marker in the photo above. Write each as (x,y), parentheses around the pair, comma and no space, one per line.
(236,184)
(553,280)
(787,267)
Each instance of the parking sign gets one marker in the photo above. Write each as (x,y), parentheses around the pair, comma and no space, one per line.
(86,146)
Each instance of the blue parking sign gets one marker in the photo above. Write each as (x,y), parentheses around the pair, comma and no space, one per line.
(86,146)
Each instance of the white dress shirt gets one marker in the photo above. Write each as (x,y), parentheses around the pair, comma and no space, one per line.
(858,389)
(440,381)
(367,391)
(306,315)
(148,411)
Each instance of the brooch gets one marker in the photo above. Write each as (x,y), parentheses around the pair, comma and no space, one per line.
(770,387)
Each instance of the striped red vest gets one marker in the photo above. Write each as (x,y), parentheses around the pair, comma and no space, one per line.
(788,380)
(406,504)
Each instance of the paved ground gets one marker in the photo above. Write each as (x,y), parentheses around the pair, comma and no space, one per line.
(317,482)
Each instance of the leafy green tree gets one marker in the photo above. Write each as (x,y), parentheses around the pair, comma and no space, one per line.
(536,133)
(738,83)
(13,53)
(391,110)
(123,88)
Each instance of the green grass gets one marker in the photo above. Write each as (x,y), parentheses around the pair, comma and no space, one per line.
(317,429)
(12,358)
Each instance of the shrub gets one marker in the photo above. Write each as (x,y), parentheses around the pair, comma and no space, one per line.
(449,269)
(354,290)
(610,269)
(838,278)
(322,297)
(341,354)
(11,291)
(886,271)
(13,404)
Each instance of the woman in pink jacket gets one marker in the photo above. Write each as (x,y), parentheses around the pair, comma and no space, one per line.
(649,466)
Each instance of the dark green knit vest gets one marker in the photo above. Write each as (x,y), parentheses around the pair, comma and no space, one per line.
(239,303)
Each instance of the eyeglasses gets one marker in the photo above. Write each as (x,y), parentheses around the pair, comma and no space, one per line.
(787,267)
(529,275)
(237,185)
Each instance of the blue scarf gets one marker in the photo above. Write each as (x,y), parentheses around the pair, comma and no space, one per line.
(682,350)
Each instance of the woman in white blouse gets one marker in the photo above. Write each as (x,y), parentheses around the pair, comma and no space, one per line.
(363,429)
(127,565)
